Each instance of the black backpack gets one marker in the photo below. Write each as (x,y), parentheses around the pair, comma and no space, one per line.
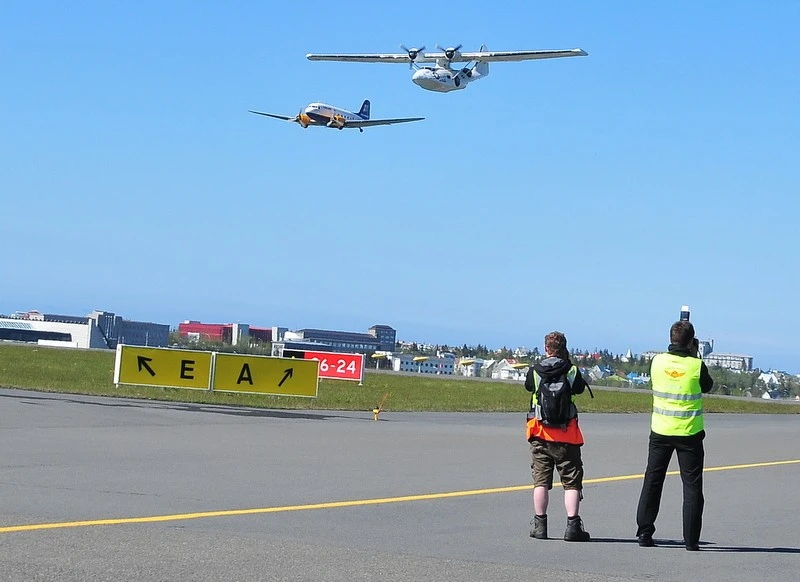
(555,406)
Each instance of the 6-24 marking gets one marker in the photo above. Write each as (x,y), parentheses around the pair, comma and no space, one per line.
(341,366)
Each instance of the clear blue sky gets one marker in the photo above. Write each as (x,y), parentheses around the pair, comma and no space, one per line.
(593,195)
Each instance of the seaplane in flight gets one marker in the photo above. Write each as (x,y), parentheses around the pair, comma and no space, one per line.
(324,115)
(442,77)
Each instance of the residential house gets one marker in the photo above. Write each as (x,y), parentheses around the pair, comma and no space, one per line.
(510,369)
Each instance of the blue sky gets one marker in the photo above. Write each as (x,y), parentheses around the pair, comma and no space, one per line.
(593,195)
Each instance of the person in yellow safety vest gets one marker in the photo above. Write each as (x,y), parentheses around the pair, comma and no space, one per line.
(556,446)
(679,380)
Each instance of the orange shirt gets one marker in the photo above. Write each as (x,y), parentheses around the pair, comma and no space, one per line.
(571,434)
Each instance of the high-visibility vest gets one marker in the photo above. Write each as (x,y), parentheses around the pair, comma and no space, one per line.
(571,434)
(677,398)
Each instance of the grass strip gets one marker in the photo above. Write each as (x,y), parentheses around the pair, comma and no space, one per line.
(90,372)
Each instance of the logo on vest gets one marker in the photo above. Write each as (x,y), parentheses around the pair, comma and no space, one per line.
(673,373)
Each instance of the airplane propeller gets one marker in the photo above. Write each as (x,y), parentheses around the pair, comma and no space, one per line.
(467,70)
(413,53)
(449,52)
(298,119)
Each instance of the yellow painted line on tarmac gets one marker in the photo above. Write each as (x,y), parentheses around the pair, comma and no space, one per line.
(705,470)
(337,504)
(750,466)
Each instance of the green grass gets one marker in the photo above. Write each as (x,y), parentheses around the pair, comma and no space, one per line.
(91,372)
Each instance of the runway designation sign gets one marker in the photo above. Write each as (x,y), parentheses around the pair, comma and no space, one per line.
(333,365)
(266,375)
(162,367)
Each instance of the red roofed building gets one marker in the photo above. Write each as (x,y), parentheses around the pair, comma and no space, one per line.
(228,333)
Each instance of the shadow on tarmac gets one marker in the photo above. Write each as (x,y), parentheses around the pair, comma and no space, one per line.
(186,407)
(704,546)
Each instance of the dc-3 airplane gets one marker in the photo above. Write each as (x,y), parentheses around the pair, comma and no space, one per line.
(322,114)
(442,77)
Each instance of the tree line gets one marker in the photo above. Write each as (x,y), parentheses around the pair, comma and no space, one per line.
(728,382)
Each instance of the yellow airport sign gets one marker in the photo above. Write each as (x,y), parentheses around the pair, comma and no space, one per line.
(266,375)
(148,366)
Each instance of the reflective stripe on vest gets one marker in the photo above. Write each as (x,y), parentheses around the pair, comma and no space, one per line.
(669,396)
(677,398)
(678,413)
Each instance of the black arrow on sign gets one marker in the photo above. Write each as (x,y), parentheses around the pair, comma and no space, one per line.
(142,361)
(287,373)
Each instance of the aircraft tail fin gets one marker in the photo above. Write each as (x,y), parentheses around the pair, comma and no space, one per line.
(364,111)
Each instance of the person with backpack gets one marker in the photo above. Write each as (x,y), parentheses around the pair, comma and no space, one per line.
(680,378)
(555,437)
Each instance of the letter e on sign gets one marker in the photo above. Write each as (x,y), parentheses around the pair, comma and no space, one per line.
(187,367)
(148,366)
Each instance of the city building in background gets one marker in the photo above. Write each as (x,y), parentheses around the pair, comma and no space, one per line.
(705,350)
(424,364)
(510,369)
(105,329)
(380,338)
(738,362)
(470,367)
(99,329)
(227,333)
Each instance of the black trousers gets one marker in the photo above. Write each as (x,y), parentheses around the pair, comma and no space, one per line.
(690,460)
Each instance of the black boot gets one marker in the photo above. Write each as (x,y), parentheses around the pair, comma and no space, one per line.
(575,531)
(539,530)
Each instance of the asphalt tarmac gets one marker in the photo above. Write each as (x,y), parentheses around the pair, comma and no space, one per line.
(117,489)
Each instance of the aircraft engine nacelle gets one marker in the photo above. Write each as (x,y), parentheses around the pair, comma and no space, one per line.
(336,121)
(302,119)
(451,53)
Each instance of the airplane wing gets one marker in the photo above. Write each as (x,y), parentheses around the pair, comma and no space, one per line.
(485,56)
(271,115)
(371,122)
(499,56)
(363,58)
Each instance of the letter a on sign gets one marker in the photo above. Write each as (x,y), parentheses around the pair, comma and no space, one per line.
(245,375)
(265,375)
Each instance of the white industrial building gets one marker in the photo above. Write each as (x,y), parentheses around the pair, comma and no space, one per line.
(423,364)
(100,329)
(740,362)
(510,369)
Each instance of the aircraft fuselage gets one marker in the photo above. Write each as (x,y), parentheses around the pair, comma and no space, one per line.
(440,79)
(322,114)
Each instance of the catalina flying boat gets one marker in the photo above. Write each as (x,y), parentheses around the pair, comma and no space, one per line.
(442,76)
(324,115)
